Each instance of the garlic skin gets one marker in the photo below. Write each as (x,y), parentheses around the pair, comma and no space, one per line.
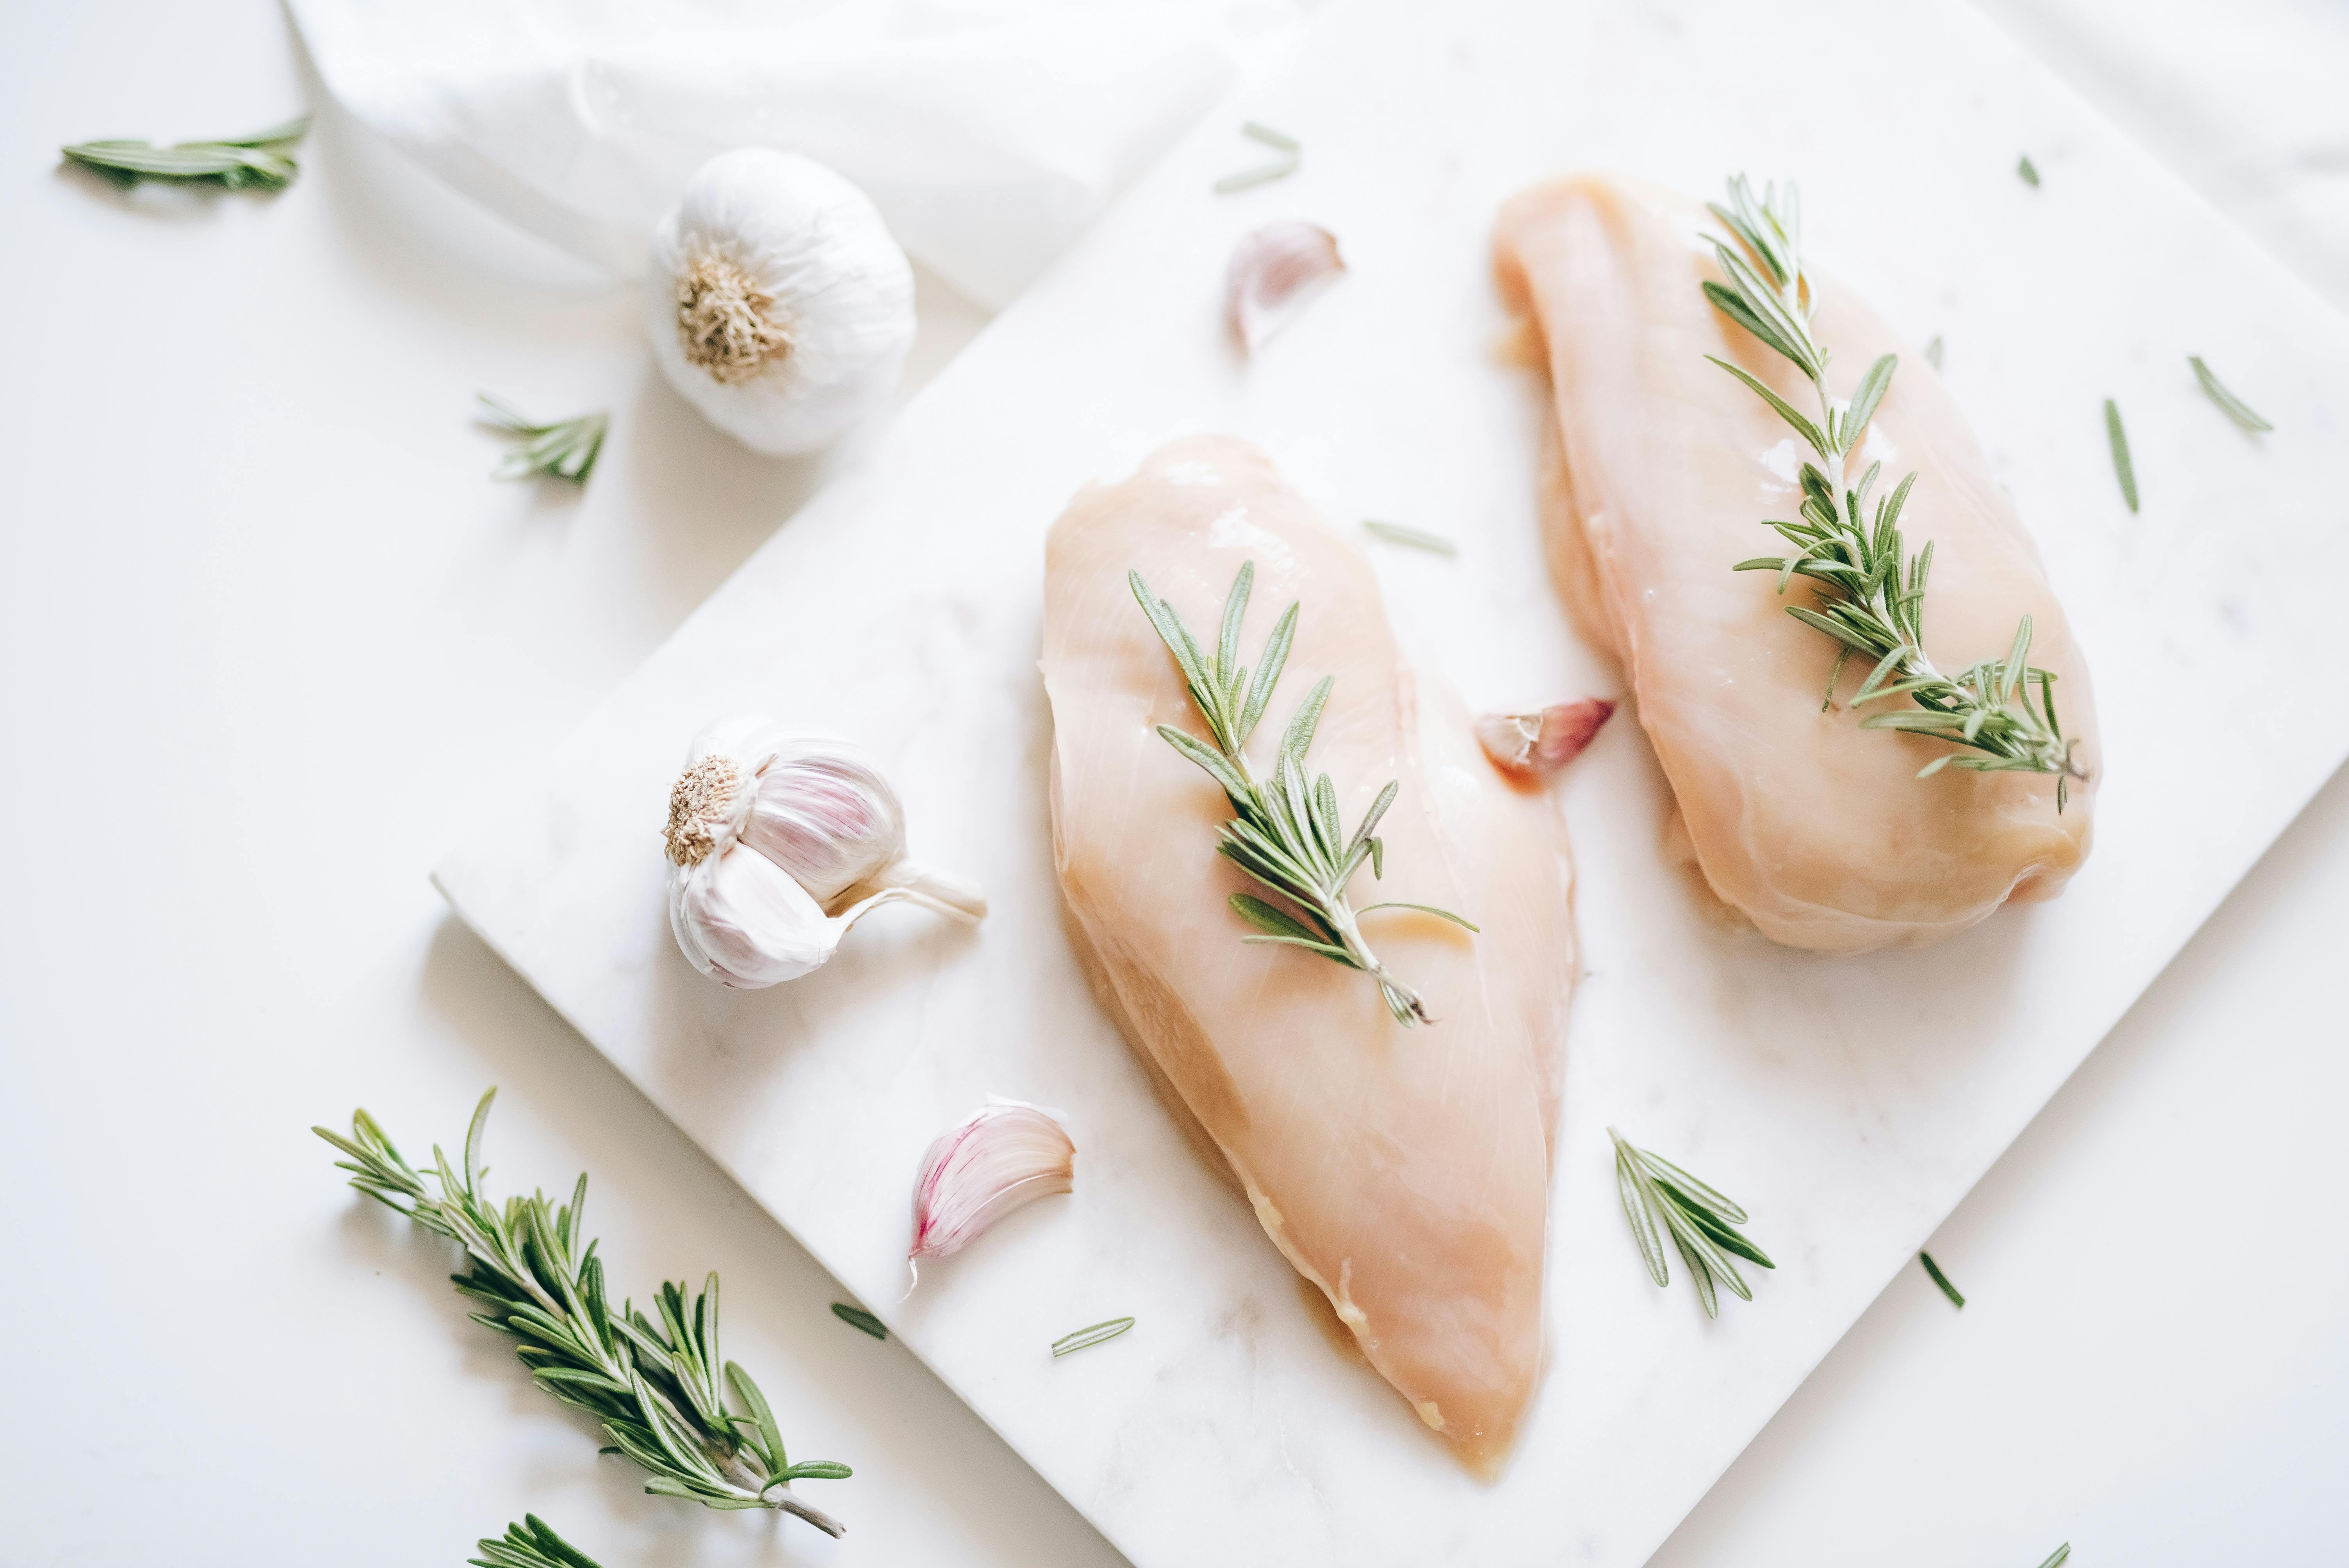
(777,303)
(778,844)
(1537,745)
(1273,273)
(1007,1155)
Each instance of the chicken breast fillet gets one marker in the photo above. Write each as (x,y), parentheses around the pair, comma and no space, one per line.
(1659,470)
(1405,1171)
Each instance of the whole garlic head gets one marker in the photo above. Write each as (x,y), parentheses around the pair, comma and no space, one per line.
(778,304)
(778,844)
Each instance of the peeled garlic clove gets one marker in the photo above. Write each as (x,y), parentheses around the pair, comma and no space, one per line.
(1273,273)
(1537,745)
(778,844)
(1006,1156)
(777,302)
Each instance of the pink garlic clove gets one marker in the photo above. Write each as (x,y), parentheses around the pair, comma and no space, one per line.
(1273,273)
(1006,1156)
(1537,745)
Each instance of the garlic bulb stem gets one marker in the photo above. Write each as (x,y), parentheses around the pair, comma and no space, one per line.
(956,898)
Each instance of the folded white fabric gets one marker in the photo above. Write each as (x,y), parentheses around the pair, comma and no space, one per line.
(989,134)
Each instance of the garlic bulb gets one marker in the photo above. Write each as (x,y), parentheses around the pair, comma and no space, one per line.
(1537,745)
(777,302)
(1006,1156)
(778,844)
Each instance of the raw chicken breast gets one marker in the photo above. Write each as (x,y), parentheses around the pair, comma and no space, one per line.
(1659,470)
(1405,1171)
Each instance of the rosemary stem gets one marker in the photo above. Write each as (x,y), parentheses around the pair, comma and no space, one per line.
(777,1498)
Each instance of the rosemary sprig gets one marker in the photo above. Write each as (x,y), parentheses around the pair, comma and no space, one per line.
(568,449)
(1417,538)
(659,1388)
(530,1544)
(1700,1222)
(2234,407)
(2061,1555)
(1286,834)
(2028,172)
(1083,1338)
(262,160)
(1869,602)
(1933,1272)
(2117,437)
(856,1318)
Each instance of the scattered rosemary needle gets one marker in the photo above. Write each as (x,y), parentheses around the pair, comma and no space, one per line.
(262,161)
(566,449)
(2125,470)
(530,1544)
(1286,834)
(1700,1222)
(857,1317)
(2059,1557)
(2234,407)
(1934,1270)
(659,1388)
(1869,603)
(1418,539)
(1292,156)
(1933,352)
(2029,171)
(1085,1337)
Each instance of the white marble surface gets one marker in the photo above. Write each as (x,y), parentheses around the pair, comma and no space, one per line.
(1848,1119)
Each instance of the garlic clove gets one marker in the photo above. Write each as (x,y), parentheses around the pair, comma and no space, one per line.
(742,919)
(1007,1155)
(1273,273)
(822,811)
(777,302)
(1537,745)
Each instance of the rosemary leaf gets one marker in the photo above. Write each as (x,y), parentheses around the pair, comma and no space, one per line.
(1933,352)
(566,449)
(1871,592)
(260,161)
(1418,539)
(1286,834)
(2234,407)
(1934,1270)
(533,1544)
(2125,470)
(1084,1338)
(2028,172)
(2057,1558)
(1658,1197)
(659,1387)
(857,1317)
(1292,157)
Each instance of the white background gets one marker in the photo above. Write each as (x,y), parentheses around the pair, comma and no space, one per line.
(266,630)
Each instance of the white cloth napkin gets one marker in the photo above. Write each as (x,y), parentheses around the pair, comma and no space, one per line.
(989,133)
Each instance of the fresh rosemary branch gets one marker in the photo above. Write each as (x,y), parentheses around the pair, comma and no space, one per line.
(1933,1272)
(659,1388)
(1084,1338)
(566,449)
(1700,1222)
(2117,437)
(262,160)
(1869,602)
(2234,407)
(1286,834)
(530,1544)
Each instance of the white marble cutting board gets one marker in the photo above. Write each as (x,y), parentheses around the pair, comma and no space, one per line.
(1847,1104)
